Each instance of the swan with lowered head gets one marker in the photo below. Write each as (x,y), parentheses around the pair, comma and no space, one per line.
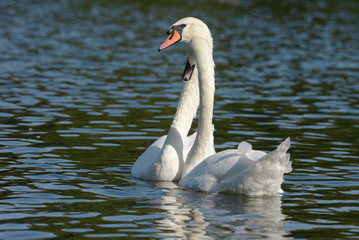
(164,159)
(241,170)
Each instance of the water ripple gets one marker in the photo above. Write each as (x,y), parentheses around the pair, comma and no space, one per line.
(86,91)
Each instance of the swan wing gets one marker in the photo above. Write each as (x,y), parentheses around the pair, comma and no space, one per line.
(234,172)
(265,176)
(144,165)
(208,175)
(246,148)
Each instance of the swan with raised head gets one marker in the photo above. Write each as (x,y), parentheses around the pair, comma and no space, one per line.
(241,170)
(164,159)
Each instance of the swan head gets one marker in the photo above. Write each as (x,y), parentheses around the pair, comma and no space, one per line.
(185,30)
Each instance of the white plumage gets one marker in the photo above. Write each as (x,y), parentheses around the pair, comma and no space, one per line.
(193,160)
(241,170)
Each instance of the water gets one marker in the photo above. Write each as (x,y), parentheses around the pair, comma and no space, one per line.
(84,92)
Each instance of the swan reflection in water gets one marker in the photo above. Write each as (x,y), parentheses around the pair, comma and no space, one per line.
(198,215)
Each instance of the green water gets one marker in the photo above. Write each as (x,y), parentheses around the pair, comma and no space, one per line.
(84,92)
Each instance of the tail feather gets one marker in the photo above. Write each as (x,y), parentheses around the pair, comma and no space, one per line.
(287,164)
(266,176)
(284,146)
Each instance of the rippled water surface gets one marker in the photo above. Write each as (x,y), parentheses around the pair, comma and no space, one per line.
(84,92)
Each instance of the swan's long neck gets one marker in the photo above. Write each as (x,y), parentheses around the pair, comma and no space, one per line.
(201,49)
(172,151)
(187,106)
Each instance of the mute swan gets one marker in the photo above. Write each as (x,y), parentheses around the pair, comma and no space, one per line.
(164,159)
(241,170)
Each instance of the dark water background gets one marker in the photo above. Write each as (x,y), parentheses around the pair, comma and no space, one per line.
(83,91)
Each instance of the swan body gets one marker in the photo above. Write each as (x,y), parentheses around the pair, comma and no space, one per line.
(241,170)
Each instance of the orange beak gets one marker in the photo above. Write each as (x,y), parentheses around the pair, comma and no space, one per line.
(172,39)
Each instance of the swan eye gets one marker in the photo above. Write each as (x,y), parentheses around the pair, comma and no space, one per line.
(183,25)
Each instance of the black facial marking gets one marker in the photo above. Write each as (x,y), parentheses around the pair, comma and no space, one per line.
(178,28)
(170,31)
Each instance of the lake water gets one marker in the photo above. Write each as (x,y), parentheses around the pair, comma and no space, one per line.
(84,92)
